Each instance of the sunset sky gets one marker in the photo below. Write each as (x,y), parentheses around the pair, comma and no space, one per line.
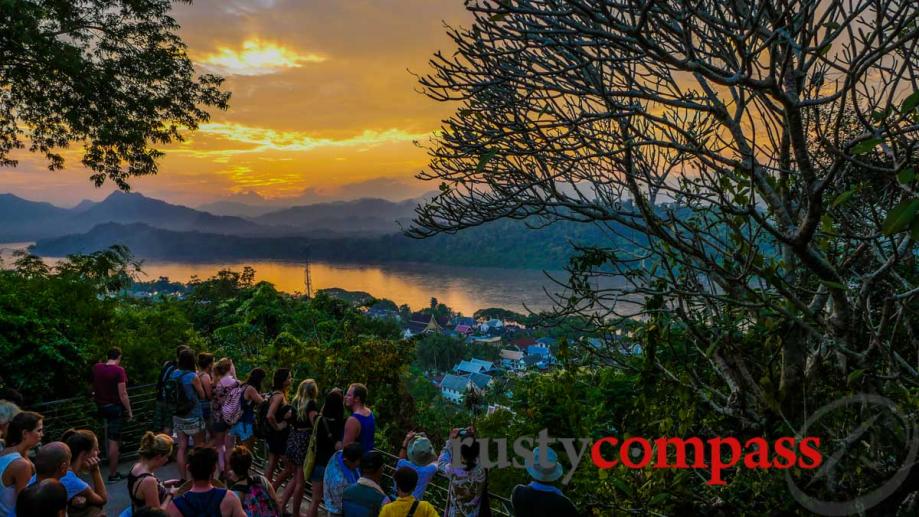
(323,102)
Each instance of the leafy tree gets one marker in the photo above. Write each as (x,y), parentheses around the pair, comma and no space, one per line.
(438,352)
(54,324)
(590,403)
(433,416)
(384,304)
(760,214)
(148,334)
(405,313)
(111,74)
(498,314)
(29,265)
(110,270)
(753,166)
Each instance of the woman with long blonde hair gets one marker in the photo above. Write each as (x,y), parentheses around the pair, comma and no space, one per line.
(224,384)
(305,406)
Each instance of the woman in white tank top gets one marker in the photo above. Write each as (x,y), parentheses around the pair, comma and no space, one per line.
(24,432)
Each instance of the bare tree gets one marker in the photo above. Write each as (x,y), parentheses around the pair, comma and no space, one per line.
(758,157)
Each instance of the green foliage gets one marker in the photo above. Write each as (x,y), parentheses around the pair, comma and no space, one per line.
(109,271)
(433,415)
(438,352)
(499,314)
(901,217)
(54,323)
(589,403)
(113,74)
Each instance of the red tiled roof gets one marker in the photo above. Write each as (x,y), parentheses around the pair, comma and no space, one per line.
(523,342)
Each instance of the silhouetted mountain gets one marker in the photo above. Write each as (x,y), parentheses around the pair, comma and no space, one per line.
(30,220)
(126,208)
(236,208)
(508,244)
(24,220)
(84,205)
(370,216)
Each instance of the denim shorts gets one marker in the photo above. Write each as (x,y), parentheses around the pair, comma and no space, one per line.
(242,430)
(190,426)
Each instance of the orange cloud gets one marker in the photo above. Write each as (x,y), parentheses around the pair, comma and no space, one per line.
(260,140)
(256,57)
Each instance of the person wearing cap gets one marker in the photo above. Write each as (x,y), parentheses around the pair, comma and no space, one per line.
(366,497)
(417,453)
(541,498)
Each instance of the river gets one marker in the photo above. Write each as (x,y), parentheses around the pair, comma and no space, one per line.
(465,289)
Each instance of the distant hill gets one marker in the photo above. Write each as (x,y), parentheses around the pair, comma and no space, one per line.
(84,205)
(508,244)
(32,220)
(236,208)
(135,208)
(24,220)
(367,216)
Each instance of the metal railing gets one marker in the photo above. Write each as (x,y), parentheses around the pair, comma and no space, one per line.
(82,413)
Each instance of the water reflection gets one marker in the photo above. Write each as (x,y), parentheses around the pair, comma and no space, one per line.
(465,289)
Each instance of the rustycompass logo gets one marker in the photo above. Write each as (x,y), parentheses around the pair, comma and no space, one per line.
(870,449)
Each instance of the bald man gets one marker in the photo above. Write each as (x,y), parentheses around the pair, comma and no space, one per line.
(48,498)
(52,461)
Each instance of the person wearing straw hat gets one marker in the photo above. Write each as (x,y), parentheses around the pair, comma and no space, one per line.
(417,453)
(541,498)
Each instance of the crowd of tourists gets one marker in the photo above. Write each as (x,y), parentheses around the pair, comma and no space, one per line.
(210,421)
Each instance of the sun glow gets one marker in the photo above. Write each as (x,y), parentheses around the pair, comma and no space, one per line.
(257,57)
(257,139)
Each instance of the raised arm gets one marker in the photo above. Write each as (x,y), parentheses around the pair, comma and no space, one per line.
(403,452)
(97,495)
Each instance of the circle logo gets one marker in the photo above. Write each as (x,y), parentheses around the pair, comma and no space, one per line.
(872,448)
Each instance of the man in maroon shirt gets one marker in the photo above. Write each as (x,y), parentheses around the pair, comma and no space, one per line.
(111,394)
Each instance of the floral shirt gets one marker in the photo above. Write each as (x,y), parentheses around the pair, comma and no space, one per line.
(337,478)
(466,486)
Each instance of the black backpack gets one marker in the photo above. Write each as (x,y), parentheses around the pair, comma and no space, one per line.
(165,373)
(177,397)
(262,428)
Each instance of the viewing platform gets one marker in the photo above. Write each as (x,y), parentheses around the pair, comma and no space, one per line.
(81,413)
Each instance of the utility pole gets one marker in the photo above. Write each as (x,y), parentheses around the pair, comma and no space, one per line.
(307,277)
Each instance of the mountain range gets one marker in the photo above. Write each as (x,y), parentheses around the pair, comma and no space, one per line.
(24,220)
(505,244)
(363,231)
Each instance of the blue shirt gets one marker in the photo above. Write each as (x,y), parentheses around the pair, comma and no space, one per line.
(188,379)
(337,478)
(71,482)
(368,428)
(425,475)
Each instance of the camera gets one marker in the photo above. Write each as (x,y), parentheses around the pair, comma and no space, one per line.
(465,432)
